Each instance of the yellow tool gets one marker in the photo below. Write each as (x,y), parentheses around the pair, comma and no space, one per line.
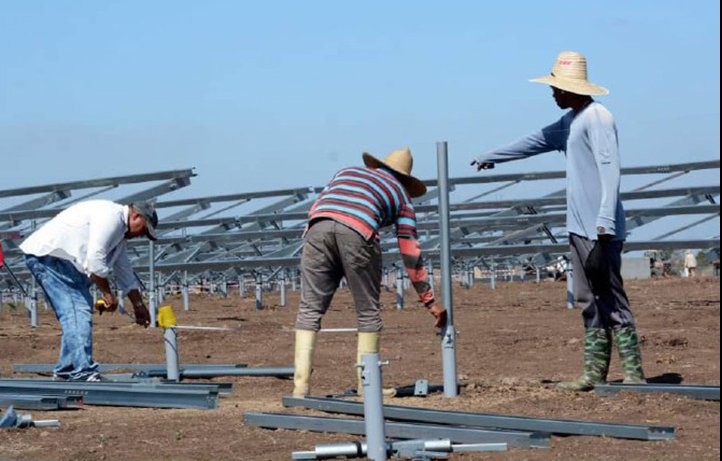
(101,305)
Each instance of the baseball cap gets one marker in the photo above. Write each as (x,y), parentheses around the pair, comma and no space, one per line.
(147,210)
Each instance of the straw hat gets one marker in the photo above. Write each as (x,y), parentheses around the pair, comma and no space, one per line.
(570,74)
(401,162)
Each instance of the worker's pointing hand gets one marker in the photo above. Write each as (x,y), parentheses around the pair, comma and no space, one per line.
(482,165)
(439,313)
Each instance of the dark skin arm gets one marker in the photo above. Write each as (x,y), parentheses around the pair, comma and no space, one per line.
(142,316)
(111,302)
(439,313)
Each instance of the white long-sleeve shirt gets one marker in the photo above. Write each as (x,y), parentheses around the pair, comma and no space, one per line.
(91,235)
(589,140)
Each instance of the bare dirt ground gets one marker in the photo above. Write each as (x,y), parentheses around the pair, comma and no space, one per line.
(511,341)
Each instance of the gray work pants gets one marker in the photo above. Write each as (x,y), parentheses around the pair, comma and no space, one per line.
(331,251)
(600,310)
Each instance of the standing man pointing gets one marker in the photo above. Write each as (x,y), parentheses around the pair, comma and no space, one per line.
(587,135)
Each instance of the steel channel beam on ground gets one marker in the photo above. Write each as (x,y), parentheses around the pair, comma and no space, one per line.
(118,394)
(40,402)
(220,372)
(127,379)
(695,392)
(396,430)
(105,367)
(519,423)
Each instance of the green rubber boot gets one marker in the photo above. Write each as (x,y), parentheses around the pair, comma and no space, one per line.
(630,354)
(597,353)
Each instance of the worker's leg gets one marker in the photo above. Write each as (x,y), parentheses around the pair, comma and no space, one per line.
(617,315)
(597,337)
(67,290)
(321,272)
(362,265)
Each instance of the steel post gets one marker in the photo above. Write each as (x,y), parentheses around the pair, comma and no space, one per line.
(152,302)
(430,269)
(399,288)
(493,274)
(570,285)
(224,287)
(448,342)
(184,292)
(121,301)
(170,336)
(33,301)
(373,407)
(282,281)
(259,291)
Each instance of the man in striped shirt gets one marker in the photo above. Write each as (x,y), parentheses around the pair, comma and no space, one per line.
(342,240)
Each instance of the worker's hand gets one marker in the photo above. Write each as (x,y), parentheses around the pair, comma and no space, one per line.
(142,316)
(439,313)
(596,267)
(482,165)
(108,303)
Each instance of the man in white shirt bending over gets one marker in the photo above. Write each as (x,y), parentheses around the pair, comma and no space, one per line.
(79,247)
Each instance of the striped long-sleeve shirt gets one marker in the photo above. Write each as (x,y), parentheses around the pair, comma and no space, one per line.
(368,199)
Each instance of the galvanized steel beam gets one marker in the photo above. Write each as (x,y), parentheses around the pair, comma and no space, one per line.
(519,423)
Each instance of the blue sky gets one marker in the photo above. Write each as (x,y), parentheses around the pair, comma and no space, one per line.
(266,95)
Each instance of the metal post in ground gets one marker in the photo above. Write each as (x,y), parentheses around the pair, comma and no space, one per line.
(241,286)
(224,286)
(282,281)
(448,342)
(184,292)
(121,301)
(399,288)
(570,285)
(538,275)
(430,269)
(152,300)
(167,321)
(34,303)
(373,407)
(385,280)
(493,274)
(259,291)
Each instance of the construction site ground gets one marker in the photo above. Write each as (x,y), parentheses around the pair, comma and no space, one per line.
(513,343)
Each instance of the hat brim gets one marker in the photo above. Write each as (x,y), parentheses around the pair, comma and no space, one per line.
(413,185)
(573,86)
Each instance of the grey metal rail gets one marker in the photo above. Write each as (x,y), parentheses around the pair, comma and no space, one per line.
(397,430)
(520,423)
(695,392)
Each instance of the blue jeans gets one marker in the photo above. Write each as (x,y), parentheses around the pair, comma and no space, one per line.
(67,291)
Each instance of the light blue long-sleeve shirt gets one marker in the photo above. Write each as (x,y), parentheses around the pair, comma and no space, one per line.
(589,141)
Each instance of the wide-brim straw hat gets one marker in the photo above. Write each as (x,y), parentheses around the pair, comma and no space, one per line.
(400,162)
(570,74)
